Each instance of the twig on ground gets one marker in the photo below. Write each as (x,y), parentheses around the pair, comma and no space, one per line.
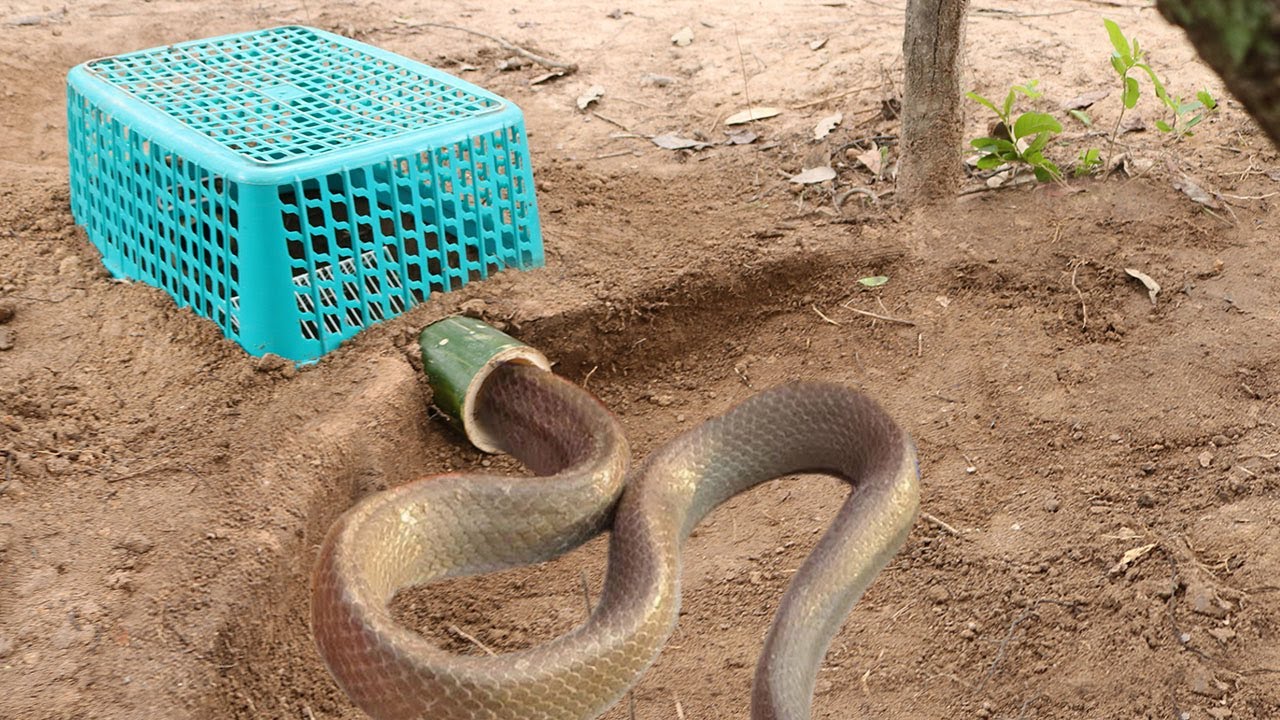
(615,123)
(470,638)
(1013,628)
(932,520)
(568,68)
(1001,12)
(837,96)
(824,317)
(1084,311)
(878,316)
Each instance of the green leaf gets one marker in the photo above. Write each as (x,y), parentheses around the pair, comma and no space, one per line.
(1118,64)
(1163,126)
(1130,92)
(1048,167)
(1119,42)
(874,281)
(1206,99)
(993,145)
(1137,54)
(1038,144)
(1092,155)
(1029,89)
(1155,82)
(1008,104)
(1042,174)
(989,162)
(1192,123)
(1032,123)
(983,101)
(1189,107)
(1082,116)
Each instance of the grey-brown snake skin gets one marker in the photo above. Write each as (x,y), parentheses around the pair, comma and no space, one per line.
(455,525)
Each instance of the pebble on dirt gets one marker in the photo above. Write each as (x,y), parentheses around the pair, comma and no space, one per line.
(6,339)
(7,311)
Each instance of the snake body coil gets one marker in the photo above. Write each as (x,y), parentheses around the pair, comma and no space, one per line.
(457,525)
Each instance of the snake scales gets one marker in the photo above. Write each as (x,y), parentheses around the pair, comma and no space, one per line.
(455,525)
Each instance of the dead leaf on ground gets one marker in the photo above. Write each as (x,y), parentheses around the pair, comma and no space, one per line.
(1192,189)
(814,175)
(1133,123)
(671,141)
(745,137)
(1133,167)
(683,37)
(1153,287)
(547,76)
(593,94)
(759,112)
(817,44)
(1085,100)
(1130,557)
(826,125)
(872,160)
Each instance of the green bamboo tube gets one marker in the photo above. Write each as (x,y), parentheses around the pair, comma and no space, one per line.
(458,354)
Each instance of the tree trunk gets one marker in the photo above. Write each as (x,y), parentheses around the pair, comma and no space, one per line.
(932,125)
(1240,40)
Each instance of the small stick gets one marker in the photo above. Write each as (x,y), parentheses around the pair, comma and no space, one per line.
(878,316)
(940,524)
(631,703)
(617,153)
(824,317)
(568,68)
(615,123)
(462,634)
(1084,311)
(679,707)
(837,96)
(919,344)
(590,372)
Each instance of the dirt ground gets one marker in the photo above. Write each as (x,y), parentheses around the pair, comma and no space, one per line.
(163,493)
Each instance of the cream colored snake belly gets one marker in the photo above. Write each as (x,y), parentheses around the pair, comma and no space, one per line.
(455,525)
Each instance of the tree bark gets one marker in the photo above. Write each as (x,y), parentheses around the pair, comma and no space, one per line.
(932,124)
(1240,40)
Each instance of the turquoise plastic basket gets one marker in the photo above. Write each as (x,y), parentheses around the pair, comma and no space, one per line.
(295,186)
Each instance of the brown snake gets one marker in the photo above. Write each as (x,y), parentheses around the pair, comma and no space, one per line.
(455,525)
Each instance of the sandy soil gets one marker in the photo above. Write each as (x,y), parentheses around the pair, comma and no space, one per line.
(163,493)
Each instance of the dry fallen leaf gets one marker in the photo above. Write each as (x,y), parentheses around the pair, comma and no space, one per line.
(683,37)
(817,44)
(1130,557)
(745,137)
(1085,100)
(872,160)
(1193,190)
(755,113)
(1134,167)
(593,93)
(1152,286)
(671,141)
(826,125)
(814,175)
(547,76)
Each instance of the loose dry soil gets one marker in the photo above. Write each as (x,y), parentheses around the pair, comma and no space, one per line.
(163,493)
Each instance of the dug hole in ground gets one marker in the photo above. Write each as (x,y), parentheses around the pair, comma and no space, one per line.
(163,493)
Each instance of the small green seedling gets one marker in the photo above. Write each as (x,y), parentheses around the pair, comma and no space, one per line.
(1194,111)
(1127,57)
(1088,160)
(1082,116)
(1027,135)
